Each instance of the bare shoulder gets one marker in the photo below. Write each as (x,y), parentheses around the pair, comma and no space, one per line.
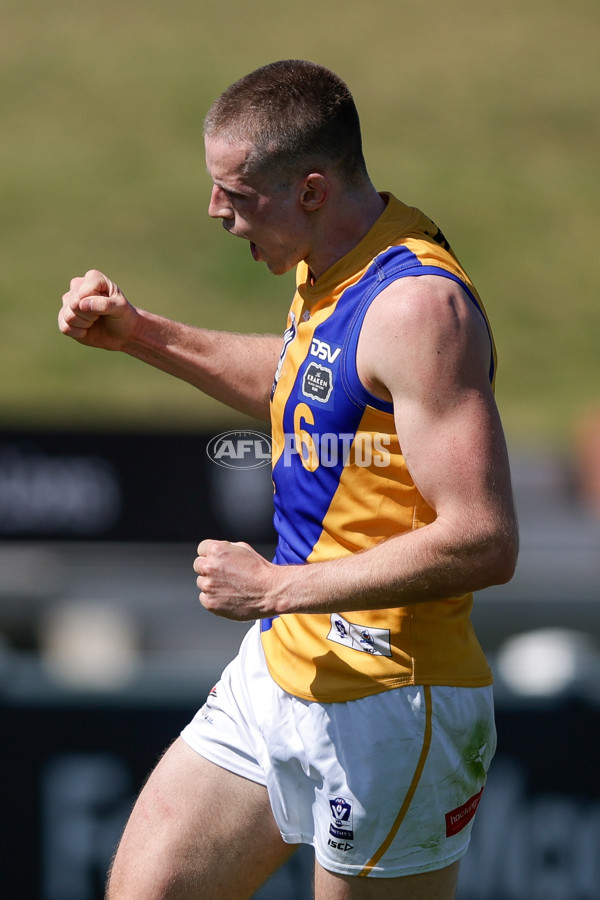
(422,330)
(428,305)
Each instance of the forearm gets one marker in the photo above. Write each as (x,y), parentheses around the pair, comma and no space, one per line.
(421,565)
(430,563)
(236,369)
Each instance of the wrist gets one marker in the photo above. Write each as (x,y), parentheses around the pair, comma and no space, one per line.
(301,588)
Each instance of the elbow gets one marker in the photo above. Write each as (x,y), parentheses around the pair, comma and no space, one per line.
(505,568)
(501,557)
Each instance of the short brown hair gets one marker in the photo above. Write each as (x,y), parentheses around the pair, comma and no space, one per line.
(297,115)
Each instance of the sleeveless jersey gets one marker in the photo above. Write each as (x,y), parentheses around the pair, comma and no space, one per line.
(341,483)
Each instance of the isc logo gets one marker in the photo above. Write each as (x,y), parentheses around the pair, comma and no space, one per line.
(340,845)
(240,449)
(322,350)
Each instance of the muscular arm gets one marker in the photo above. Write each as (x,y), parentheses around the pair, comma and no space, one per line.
(425,347)
(236,369)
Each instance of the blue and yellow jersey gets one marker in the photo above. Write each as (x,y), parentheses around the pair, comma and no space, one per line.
(342,485)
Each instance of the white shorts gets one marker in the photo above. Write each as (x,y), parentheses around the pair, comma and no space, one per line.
(384,786)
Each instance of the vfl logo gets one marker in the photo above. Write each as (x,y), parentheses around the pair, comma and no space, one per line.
(240,449)
(341,628)
(367,639)
(355,636)
(341,818)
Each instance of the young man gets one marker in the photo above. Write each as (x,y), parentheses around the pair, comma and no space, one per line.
(358,715)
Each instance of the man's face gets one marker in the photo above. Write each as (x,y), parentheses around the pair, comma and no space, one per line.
(270,218)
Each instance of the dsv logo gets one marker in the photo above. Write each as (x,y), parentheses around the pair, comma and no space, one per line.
(322,350)
(240,449)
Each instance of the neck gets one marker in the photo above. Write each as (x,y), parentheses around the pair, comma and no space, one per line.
(341,225)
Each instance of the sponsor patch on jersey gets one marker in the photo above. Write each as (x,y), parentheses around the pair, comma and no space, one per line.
(324,351)
(375,641)
(317,382)
(457,818)
(341,826)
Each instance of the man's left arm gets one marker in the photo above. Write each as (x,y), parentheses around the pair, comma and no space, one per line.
(424,346)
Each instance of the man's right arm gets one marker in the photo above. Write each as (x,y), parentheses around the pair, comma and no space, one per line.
(236,369)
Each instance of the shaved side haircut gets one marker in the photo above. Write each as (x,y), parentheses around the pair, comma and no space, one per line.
(297,116)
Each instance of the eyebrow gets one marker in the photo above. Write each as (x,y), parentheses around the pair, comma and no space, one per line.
(233,191)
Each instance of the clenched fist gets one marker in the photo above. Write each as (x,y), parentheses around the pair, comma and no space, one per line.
(235,581)
(96,313)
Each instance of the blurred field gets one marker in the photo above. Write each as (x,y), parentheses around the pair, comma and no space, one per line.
(485,116)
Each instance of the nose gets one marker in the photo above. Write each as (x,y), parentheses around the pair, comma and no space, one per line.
(219,206)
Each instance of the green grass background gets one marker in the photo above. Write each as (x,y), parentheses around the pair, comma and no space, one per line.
(484,115)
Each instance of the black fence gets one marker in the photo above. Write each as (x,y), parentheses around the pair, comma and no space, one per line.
(71,770)
(73,761)
(81,486)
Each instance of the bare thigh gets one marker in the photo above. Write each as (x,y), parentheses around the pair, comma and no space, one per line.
(438,885)
(196,831)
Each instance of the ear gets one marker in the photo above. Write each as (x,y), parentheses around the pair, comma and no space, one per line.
(314,191)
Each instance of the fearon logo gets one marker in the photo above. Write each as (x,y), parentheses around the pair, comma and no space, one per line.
(457,818)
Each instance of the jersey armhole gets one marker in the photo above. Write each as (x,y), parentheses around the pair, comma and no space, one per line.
(353,386)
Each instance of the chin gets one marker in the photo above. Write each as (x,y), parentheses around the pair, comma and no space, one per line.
(278,268)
